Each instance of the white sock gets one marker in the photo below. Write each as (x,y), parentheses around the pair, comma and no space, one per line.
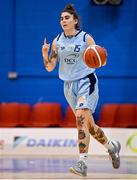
(83,157)
(109,145)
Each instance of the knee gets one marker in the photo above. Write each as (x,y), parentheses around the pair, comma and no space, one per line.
(80,118)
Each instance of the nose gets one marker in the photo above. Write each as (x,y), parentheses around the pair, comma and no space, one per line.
(63,20)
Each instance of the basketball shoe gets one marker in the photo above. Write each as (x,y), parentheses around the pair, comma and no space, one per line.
(79,168)
(114,154)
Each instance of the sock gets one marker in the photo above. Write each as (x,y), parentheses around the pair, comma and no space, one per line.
(109,145)
(83,157)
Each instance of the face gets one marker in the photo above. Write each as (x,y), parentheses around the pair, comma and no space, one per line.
(67,21)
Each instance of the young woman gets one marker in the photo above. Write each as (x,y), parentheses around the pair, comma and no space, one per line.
(80,85)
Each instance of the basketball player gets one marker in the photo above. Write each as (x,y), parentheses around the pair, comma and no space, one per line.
(80,85)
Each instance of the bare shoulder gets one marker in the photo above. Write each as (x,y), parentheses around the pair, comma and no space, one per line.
(90,40)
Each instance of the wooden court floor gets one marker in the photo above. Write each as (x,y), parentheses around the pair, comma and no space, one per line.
(56,167)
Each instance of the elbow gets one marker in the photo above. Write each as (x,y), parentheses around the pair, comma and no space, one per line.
(49,69)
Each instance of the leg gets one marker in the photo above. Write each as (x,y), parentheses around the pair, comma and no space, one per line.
(83,130)
(96,131)
(80,167)
(112,146)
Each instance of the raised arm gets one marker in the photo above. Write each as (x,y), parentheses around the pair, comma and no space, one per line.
(49,61)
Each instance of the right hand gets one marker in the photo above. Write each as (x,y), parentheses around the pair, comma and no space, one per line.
(45,49)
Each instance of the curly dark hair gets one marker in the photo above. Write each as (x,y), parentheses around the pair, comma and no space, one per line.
(70,9)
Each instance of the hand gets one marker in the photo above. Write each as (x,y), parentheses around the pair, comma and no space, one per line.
(45,49)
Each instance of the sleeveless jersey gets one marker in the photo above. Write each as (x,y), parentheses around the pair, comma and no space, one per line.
(70,52)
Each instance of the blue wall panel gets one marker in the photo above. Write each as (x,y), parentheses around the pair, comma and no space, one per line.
(6,35)
(23,27)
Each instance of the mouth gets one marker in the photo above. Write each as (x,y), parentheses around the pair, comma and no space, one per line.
(64,25)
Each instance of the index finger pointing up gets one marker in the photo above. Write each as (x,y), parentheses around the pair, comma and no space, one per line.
(45,41)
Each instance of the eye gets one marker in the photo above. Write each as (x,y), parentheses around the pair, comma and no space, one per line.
(61,19)
(67,17)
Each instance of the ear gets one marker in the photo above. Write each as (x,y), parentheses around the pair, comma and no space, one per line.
(76,21)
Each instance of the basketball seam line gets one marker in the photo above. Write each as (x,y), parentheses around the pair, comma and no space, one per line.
(97,55)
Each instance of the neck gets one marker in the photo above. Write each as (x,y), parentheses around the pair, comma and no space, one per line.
(70,32)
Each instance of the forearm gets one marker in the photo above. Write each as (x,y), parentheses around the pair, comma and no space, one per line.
(49,64)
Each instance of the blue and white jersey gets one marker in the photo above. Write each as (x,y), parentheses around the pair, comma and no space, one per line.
(70,56)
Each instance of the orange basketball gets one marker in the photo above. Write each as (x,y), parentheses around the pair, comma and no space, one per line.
(95,56)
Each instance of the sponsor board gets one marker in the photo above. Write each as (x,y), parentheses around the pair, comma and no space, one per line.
(62,141)
(132,142)
(2,143)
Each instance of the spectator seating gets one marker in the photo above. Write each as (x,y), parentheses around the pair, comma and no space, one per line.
(25,113)
(13,114)
(69,120)
(45,115)
(107,115)
(126,116)
(118,115)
